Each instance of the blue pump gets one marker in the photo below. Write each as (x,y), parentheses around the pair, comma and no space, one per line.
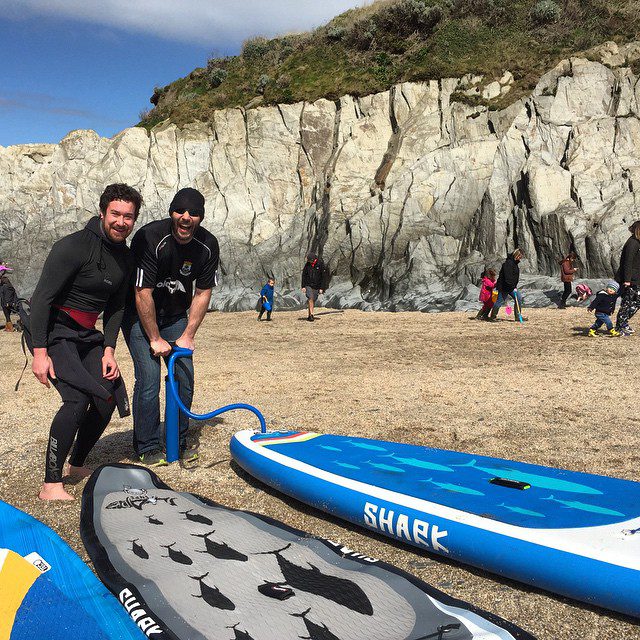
(174,405)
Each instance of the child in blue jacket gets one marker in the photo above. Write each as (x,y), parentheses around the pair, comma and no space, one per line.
(604,305)
(266,299)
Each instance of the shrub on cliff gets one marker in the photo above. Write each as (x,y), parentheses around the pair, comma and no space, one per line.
(545,11)
(216,76)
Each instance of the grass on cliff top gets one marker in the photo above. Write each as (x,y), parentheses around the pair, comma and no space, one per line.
(367,50)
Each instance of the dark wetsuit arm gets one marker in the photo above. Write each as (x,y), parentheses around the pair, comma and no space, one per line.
(62,263)
(113,313)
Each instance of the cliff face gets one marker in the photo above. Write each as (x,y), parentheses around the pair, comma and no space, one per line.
(407,194)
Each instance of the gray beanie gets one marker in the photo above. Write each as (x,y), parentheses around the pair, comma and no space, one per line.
(612,285)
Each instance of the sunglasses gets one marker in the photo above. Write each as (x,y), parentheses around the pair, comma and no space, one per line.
(192,212)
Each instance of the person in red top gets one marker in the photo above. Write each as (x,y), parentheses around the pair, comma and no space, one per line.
(488,283)
(567,271)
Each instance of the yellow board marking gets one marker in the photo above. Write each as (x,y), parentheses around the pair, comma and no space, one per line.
(17,575)
(303,437)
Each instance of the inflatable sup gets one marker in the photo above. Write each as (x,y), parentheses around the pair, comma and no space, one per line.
(200,570)
(575,534)
(46,590)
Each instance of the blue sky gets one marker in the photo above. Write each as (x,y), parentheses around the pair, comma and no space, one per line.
(92,64)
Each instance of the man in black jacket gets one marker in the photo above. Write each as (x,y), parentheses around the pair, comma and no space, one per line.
(507,283)
(85,274)
(314,281)
(628,277)
(176,265)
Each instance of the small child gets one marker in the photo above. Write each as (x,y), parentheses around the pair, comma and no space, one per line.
(604,305)
(583,291)
(266,299)
(486,293)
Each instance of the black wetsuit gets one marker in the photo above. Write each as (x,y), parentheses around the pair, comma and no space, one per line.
(84,272)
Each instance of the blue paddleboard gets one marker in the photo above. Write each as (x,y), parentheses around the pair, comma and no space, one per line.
(572,533)
(46,590)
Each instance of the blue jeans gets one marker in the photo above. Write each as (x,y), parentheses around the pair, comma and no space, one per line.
(146,391)
(502,297)
(602,318)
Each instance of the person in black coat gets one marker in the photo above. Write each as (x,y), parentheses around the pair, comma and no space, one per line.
(628,277)
(507,283)
(314,281)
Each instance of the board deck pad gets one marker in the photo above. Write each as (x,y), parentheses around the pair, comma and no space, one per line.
(45,585)
(573,533)
(200,570)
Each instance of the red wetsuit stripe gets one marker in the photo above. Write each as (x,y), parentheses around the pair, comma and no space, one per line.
(86,319)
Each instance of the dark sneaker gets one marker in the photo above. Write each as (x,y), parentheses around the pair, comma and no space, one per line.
(189,454)
(310,318)
(153,459)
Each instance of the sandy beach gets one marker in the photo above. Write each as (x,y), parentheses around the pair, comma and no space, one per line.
(540,392)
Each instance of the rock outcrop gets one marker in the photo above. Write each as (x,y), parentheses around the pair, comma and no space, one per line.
(407,194)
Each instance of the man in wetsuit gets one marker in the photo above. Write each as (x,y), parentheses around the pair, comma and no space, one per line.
(85,274)
(172,257)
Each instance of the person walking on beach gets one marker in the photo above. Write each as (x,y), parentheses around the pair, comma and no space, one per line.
(172,256)
(85,274)
(488,283)
(266,299)
(628,277)
(604,304)
(567,271)
(8,297)
(507,283)
(313,281)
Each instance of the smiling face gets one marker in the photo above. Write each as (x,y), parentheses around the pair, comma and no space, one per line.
(118,220)
(184,225)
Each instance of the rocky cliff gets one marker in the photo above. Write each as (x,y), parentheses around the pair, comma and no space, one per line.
(407,194)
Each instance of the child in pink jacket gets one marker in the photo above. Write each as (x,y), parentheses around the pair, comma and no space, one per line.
(486,293)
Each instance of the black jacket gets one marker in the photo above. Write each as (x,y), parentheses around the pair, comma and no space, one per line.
(315,274)
(509,276)
(629,270)
(87,272)
(603,303)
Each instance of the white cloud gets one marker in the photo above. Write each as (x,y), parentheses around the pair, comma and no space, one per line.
(206,22)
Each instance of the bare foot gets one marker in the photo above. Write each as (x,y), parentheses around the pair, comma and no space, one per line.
(77,472)
(54,491)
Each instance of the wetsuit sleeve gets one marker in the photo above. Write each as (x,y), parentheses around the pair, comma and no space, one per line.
(144,251)
(207,277)
(113,313)
(61,265)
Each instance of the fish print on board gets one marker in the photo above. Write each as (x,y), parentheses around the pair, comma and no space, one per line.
(196,518)
(524,512)
(240,635)
(138,549)
(365,445)
(535,480)
(340,590)
(220,550)
(419,464)
(212,595)
(582,506)
(316,632)
(176,556)
(456,488)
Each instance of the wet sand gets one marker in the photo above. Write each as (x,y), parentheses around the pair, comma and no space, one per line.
(540,392)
